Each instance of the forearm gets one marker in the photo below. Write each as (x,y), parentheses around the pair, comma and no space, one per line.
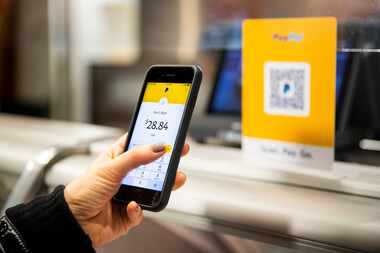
(46,224)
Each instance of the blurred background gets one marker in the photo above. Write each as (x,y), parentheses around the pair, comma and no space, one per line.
(84,61)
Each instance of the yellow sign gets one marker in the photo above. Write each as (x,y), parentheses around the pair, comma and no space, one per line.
(175,93)
(289,71)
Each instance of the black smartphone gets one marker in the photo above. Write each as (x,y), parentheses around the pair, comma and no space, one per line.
(162,115)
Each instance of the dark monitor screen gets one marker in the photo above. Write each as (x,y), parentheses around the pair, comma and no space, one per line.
(226,97)
(342,60)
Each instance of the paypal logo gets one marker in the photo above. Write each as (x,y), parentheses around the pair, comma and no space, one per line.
(291,37)
(286,88)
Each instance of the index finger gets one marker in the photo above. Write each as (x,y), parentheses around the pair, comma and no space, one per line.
(119,147)
(121,165)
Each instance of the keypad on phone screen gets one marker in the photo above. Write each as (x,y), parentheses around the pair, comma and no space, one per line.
(151,175)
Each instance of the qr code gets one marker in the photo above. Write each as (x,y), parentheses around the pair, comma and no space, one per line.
(287,88)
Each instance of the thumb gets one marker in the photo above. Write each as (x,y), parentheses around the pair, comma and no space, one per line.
(133,158)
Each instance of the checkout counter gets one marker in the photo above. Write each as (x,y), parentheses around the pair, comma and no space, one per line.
(223,194)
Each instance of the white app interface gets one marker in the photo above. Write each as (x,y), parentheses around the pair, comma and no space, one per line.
(158,121)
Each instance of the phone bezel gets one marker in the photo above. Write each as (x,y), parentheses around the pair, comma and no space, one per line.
(147,198)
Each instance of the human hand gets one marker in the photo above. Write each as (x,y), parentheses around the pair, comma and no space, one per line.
(90,196)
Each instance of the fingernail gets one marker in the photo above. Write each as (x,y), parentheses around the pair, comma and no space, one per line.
(137,208)
(158,148)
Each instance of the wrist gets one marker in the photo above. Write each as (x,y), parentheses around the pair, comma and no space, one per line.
(73,207)
(80,215)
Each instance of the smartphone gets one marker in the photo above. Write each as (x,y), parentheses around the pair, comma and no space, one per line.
(162,115)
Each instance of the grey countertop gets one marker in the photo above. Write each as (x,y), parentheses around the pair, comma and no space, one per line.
(248,206)
(226,194)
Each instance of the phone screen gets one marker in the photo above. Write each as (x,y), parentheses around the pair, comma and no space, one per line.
(158,121)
